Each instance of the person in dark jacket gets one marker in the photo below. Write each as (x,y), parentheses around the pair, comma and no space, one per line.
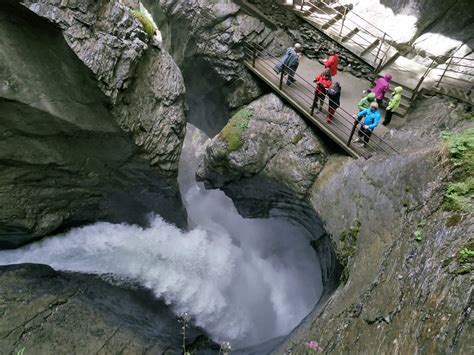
(323,82)
(334,96)
(289,63)
(371,121)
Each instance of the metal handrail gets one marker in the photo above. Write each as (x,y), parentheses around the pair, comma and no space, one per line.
(383,37)
(449,64)
(345,124)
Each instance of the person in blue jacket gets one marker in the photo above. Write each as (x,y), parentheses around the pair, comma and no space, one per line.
(289,63)
(371,120)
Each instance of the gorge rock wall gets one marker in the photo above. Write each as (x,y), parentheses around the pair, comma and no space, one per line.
(398,295)
(385,220)
(206,39)
(71,89)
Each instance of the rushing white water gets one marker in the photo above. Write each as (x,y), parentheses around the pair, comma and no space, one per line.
(242,280)
(400,26)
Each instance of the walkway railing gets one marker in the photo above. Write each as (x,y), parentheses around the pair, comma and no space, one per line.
(456,73)
(301,95)
(355,27)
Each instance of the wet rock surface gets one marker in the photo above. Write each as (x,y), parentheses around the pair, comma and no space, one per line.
(141,80)
(399,295)
(206,39)
(42,310)
(428,118)
(268,139)
(64,159)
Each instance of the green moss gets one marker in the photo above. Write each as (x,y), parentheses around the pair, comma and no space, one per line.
(406,202)
(296,138)
(465,269)
(146,22)
(348,247)
(453,220)
(460,190)
(232,132)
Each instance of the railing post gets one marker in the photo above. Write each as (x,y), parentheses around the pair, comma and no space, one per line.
(302,4)
(281,77)
(356,122)
(444,72)
(254,55)
(343,20)
(380,48)
(422,79)
(313,106)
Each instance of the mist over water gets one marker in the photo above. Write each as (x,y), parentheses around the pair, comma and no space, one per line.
(242,280)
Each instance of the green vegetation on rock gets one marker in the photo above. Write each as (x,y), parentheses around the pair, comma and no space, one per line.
(464,259)
(460,190)
(232,132)
(348,239)
(146,22)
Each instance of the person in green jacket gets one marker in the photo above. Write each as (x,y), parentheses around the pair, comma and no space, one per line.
(364,103)
(393,105)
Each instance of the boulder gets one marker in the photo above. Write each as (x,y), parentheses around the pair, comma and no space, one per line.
(45,311)
(268,139)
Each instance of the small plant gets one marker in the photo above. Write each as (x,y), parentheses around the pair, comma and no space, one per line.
(184,320)
(460,190)
(314,346)
(21,351)
(147,23)
(464,259)
(348,247)
(417,235)
(465,255)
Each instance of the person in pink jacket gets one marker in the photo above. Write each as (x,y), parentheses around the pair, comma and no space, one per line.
(381,87)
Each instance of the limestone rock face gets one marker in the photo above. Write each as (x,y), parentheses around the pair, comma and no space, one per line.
(400,296)
(142,81)
(64,158)
(268,139)
(206,39)
(43,310)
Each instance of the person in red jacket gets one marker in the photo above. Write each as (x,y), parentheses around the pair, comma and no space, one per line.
(332,62)
(323,82)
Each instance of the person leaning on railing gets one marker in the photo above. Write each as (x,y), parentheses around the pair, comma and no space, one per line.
(371,120)
(334,97)
(289,63)
(323,82)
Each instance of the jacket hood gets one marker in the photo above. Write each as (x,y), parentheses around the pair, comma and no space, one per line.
(398,89)
(371,96)
(388,77)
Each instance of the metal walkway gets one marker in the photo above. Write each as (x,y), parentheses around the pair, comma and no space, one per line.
(301,95)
